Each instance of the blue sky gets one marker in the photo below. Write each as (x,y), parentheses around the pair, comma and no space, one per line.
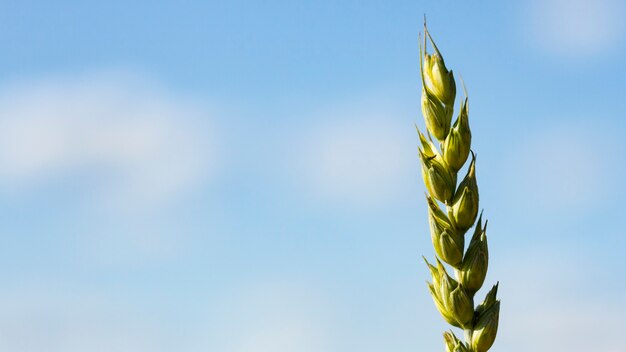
(237,176)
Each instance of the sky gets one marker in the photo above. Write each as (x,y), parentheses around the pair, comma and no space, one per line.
(239,176)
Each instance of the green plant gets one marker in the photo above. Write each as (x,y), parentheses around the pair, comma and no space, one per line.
(454,297)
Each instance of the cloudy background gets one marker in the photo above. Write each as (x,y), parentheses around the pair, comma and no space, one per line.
(241,176)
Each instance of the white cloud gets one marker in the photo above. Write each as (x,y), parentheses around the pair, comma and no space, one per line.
(48,318)
(138,145)
(271,317)
(551,301)
(576,28)
(359,156)
(565,325)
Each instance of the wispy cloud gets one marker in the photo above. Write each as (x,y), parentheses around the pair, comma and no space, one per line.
(549,303)
(273,316)
(358,155)
(576,28)
(268,317)
(47,317)
(136,144)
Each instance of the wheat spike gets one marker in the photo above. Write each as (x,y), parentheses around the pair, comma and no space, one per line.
(453,210)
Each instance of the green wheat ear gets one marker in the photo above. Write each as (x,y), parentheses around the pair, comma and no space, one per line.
(454,297)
